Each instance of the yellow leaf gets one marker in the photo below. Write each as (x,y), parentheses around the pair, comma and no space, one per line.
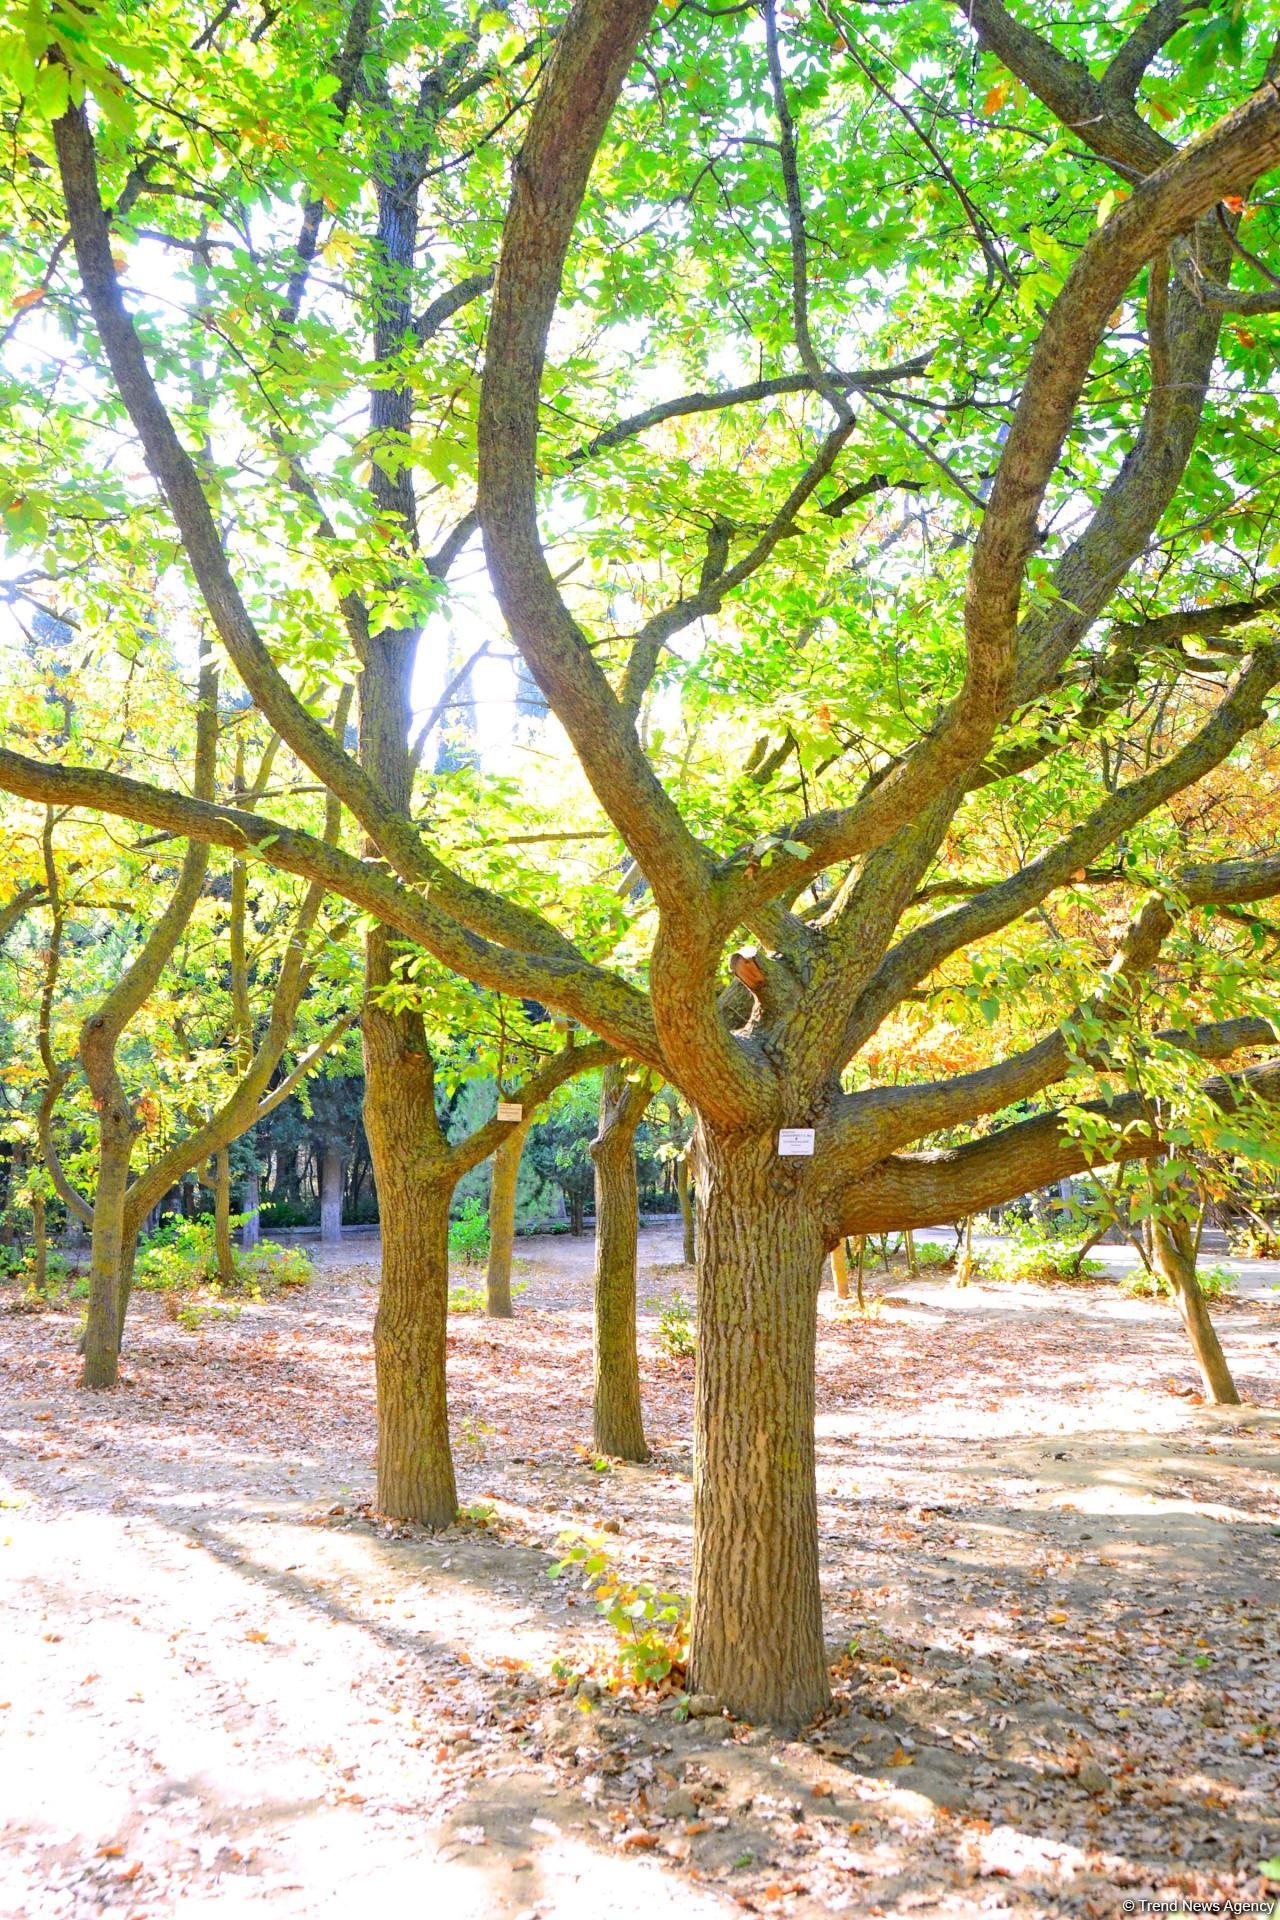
(996,98)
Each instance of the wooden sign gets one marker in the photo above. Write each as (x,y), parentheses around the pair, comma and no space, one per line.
(510,1110)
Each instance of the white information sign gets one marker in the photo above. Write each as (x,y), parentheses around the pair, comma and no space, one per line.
(795,1141)
(512,1110)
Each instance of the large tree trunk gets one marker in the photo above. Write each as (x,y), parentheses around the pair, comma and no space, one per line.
(331,1194)
(415,1466)
(105,1320)
(502,1220)
(617,1422)
(684,1189)
(222,1219)
(415,1186)
(1174,1255)
(251,1229)
(757,1642)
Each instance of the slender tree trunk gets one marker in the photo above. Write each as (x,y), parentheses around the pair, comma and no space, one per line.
(861,1270)
(617,1421)
(909,1242)
(39,1241)
(757,1615)
(1171,1244)
(104,1324)
(840,1268)
(331,1194)
(576,1215)
(251,1229)
(502,1220)
(222,1219)
(684,1188)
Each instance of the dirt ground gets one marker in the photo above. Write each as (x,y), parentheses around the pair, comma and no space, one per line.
(225,1688)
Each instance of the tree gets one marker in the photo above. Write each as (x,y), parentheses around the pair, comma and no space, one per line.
(984,684)
(616,1416)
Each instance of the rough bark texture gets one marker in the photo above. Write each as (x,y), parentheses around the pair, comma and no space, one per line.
(840,1268)
(415,1467)
(1174,1254)
(39,1241)
(331,1195)
(502,1221)
(104,1323)
(617,1420)
(685,1190)
(757,1617)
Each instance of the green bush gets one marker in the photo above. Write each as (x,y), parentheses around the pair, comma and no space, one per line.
(268,1267)
(1215,1283)
(177,1257)
(677,1328)
(652,1628)
(469,1234)
(930,1254)
(1255,1242)
(181,1257)
(1033,1257)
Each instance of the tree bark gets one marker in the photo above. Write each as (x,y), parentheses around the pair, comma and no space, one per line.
(840,1268)
(684,1188)
(251,1230)
(331,1194)
(415,1466)
(757,1642)
(105,1322)
(617,1420)
(502,1221)
(415,1185)
(226,1265)
(1172,1251)
(39,1241)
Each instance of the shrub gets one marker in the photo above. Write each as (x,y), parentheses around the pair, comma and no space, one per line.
(181,1258)
(930,1254)
(267,1267)
(1033,1257)
(652,1628)
(1255,1242)
(177,1257)
(469,1233)
(677,1328)
(1215,1283)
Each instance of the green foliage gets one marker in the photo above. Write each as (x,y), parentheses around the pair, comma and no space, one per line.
(469,1233)
(181,1258)
(930,1254)
(1030,1255)
(1216,1283)
(267,1267)
(177,1257)
(677,1333)
(651,1627)
(1255,1242)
